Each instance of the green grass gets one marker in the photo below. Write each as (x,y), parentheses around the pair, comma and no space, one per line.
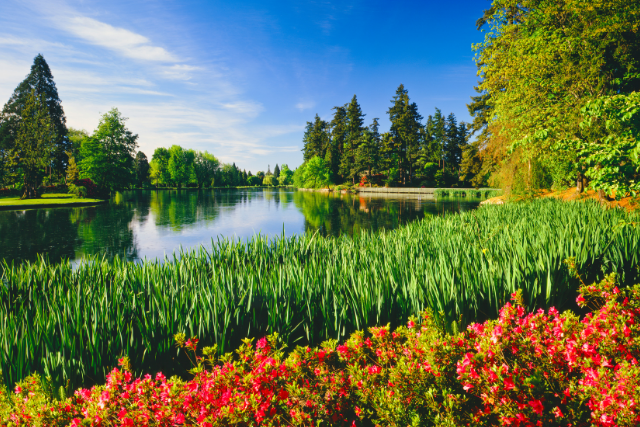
(73,323)
(46,199)
(485,193)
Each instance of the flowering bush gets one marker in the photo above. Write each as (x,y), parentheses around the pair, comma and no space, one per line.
(85,188)
(522,369)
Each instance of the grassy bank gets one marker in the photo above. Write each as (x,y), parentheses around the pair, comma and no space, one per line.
(45,200)
(75,323)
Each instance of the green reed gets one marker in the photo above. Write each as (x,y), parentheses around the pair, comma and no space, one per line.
(485,193)
(73,323)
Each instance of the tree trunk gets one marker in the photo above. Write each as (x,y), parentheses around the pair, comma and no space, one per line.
(30,188)
(601,196)
(580,183)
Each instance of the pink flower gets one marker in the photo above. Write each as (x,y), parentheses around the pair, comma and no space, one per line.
(536,405)
(411,324)
(508,383)
(262,343)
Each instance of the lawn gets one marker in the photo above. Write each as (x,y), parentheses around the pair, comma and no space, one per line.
(46,199)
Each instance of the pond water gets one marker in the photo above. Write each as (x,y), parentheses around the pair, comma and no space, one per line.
(148,223)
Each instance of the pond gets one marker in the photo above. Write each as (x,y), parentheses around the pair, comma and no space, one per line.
(148,223)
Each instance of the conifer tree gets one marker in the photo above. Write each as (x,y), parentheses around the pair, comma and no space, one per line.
(276,172)
(338,140)
(40,81)
(34,144)
(406,131)
(316,139)
(141,167)
(355,128)
(368,153)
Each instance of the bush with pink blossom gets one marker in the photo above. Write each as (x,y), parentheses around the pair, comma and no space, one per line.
(522,369)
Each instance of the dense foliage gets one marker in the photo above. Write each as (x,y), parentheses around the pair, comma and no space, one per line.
(554,73)
(523,369)
(74,322)
(411,153)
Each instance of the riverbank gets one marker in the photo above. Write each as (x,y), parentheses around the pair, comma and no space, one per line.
(570,194)
(419,191)
(47,201)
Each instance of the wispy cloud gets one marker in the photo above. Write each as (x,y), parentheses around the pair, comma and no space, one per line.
(305,105)
(120,40)
(179,71)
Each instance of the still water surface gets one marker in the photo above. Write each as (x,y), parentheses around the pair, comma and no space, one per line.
(139,224)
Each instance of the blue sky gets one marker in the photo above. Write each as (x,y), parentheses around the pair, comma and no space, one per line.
(241,78)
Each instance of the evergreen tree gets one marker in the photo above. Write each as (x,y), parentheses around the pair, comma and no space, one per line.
(276,172)
(471,166)
(455,139)
(406,132)
(40,81)
(355,128)
(34,144)
(338,140)
(438,133)
(316,139)
(368,154)
(73,173)
(141,167)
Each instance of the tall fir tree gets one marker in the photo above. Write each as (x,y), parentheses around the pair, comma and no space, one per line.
(276,172)
(338,140)
(368,153)
(142,168)
(316,139)
(34,143)
(355,128)
(455,139)
(40,81)
(406,131)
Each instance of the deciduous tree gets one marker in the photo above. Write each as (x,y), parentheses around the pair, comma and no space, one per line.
(108,154)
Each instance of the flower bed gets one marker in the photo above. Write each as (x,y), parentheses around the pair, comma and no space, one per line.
(523,369)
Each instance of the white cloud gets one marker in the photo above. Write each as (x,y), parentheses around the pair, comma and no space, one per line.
(125,42)
(305,105)
(179,71)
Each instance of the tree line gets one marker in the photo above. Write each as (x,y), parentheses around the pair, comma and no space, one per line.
(37,149)
(177,166)
(411,153)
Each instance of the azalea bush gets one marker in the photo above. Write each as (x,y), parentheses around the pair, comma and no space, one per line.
(522,369)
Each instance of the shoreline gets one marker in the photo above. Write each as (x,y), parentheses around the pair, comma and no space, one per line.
(25,207)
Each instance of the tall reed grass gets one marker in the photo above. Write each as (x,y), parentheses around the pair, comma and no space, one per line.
(73,323)
(485,193)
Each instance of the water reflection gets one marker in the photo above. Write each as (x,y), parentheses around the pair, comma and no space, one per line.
(152,224)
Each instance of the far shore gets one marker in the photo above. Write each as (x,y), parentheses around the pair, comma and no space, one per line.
(47,201)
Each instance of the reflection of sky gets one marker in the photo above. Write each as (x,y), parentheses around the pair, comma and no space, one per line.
(240,221)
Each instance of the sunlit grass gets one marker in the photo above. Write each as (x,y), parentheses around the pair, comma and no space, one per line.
(45,199)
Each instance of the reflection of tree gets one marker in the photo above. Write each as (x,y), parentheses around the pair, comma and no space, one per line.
(334,214)
(179,209)
(106,230)
(25,234)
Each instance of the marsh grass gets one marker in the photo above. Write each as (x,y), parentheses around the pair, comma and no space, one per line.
(485,193)
(73,323)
